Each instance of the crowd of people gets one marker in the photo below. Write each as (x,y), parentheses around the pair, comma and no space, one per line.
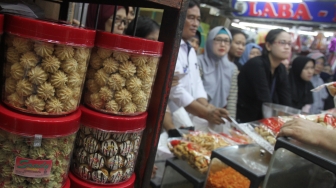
(231,78)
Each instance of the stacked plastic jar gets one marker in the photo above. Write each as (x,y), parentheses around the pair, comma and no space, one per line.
(44,70)
(36,151)
(121,73)
(45,65)
(106,147)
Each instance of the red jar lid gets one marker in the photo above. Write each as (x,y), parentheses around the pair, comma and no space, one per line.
(25,125)
(49,31)
(112,123)
(67,184)
(1,23)
(77,183)
(128,44)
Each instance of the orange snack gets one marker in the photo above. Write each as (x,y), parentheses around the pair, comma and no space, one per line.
(227,178)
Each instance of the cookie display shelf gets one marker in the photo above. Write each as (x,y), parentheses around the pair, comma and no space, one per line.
(170,34)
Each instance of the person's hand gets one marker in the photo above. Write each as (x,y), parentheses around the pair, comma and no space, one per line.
(302,130)
(75,22)
(211,107)
(215,115)
(154,171)
(175,81)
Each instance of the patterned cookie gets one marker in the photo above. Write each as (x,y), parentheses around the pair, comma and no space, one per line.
(96,161)
(109,148)
(116,176)
(115,162)
(125,147)
(120,137)
(100,176)
(91,145)
(100,135)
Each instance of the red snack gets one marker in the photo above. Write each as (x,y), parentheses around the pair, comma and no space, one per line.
(272,123)
(175,142)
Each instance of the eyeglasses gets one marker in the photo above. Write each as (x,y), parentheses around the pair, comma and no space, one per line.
(221,40)
(283,43)
(118,21)
(193,18)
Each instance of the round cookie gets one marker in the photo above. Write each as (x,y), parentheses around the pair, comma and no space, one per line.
(115,162)
(100,135)
(96,161)
(127,174)
(109,148)
(84,171)
(81,155)
(136,144)
(116,176)
(125,147)
(100,176)
(136,135)
(120,137)
(91,145)
(129,160)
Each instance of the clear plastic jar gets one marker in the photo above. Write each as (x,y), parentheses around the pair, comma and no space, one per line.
(106,147)
(36,150)
(121,73)
(45,65)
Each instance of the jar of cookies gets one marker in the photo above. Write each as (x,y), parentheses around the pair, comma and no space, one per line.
(45,65)
(106,147)
(36,150)
(121,73)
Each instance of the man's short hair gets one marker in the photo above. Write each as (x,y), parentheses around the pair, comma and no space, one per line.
(193,3)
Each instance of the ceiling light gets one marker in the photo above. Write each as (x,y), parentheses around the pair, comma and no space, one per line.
(264,26)
(311,33)
(281,1)
(328,34)
(242,27)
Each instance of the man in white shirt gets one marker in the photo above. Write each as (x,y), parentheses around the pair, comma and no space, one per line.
(190,93)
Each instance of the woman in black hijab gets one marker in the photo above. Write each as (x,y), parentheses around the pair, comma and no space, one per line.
(299,78)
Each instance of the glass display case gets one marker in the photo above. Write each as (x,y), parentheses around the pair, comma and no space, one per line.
(178,173)
(298,165)
(245,164)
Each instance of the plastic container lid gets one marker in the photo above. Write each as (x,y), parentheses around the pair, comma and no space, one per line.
(49,31)
(1,23)
(77,183)
(109,122)
(31,125)
(67,184)
(128,44)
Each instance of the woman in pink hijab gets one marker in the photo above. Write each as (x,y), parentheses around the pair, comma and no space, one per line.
(105,18)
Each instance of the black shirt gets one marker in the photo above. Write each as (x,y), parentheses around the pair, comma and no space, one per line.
(255,82)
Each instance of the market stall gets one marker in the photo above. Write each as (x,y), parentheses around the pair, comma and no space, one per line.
(158,86)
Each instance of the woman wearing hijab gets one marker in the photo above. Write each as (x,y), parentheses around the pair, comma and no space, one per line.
(251,50)
(219,75)
(322,96)
(299,78)
(105,18)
